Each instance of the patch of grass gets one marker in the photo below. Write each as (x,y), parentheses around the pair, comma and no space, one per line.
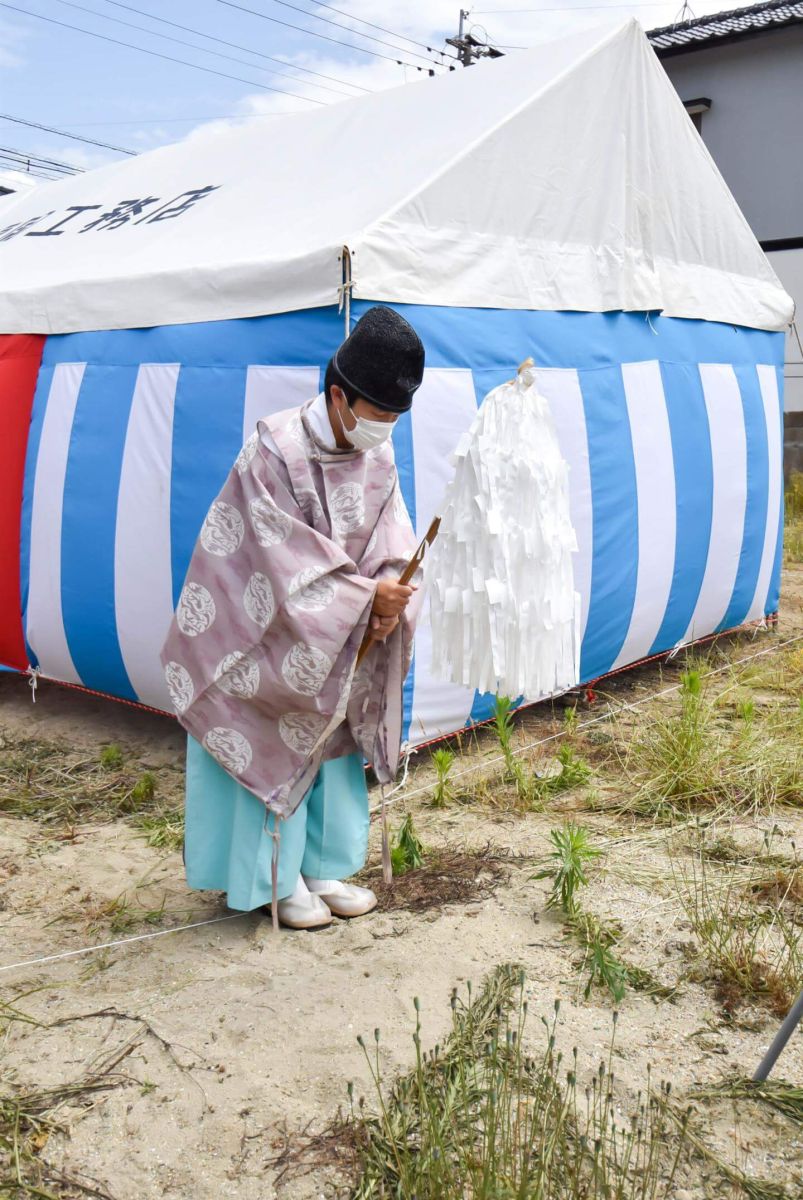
(479,1117)
(49,783)
(724,849)
(408,852)
(533,789)
(694,759)
(751,951)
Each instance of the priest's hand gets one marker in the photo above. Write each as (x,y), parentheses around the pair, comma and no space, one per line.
(380,628)
(391,598)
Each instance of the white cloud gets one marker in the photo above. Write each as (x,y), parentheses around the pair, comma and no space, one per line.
(349,79)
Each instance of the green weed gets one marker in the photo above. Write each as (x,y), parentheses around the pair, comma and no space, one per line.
(443,761)
(144,789)
(599,940)
(503,727)
(407,853)
(571,855)
(111,757)
(574,771)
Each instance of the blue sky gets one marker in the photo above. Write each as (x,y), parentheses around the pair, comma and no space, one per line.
(64,78)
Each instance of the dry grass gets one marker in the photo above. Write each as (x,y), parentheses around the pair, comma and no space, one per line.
(697,757)
(750,946)
(784,1097)
(45,782)
(793,532)
(447,876)
(30,1117)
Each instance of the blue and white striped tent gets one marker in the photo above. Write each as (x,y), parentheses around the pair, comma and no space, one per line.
(671,423)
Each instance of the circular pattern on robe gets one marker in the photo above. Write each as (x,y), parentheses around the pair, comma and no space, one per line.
(271,525)
(246,455)
(222,530)
(347,506)
(238,675)
(300,731)
(310,591)
(310,504)
(196,609)
(179,685)
(258,600)
(231,749)
(305,668)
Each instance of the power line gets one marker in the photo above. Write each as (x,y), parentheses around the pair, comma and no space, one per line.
(368,36)
(24,169)
(179,120)
(324,36)
(157,54)
(76,137)
(402,36)
(53,164)
(234,45)
(181,42)
(20,157)
(485,12)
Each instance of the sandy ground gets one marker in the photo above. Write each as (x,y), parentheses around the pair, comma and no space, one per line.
(232,1031)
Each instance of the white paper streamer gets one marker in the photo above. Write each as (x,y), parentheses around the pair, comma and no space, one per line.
(502,600)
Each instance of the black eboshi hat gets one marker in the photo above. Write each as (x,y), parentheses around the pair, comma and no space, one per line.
(382,359)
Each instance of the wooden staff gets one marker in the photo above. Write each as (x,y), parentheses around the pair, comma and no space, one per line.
(405,577)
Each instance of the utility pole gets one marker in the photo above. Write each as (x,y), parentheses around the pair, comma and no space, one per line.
(467,47)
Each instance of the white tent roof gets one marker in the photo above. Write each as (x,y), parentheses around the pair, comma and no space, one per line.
(566,177)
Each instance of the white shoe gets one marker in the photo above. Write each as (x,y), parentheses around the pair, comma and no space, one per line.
(302,910)
(342,899)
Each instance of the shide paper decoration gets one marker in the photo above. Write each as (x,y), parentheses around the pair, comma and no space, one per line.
(503,605)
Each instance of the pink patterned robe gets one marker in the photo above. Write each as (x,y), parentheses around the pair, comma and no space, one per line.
(260,657)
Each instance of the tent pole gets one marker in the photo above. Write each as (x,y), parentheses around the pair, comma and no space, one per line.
(345,289)
(779,1041)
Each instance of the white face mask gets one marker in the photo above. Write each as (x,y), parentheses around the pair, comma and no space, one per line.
(367,434)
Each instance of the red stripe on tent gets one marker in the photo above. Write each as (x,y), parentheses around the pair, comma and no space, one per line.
(20,357)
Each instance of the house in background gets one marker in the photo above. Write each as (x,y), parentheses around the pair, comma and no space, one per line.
(740,76)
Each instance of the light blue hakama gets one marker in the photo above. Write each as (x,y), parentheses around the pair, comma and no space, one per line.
(228,844)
